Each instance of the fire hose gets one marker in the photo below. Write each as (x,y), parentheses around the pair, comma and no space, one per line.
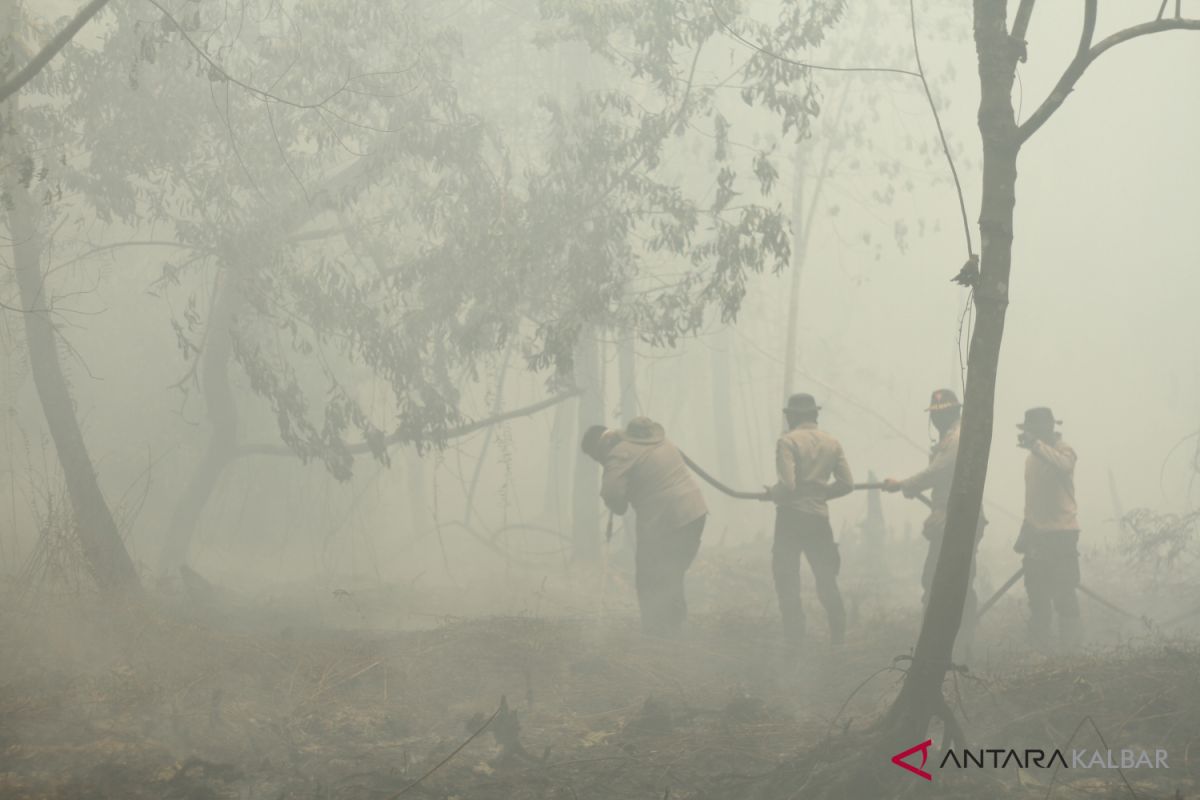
(716,484)
(991,601)
(742,495)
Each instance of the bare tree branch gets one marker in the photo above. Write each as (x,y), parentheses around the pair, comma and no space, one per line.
(261,93)
(16,310)
(35,65)
(937,120)
(734,34)
(1086,54)
(1157,26)
(1021,20)
(134,243)
(363,448)
(920,73)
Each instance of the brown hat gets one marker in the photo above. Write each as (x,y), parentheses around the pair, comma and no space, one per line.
(943,399)
(801,404)
(643,430)
(1039,420)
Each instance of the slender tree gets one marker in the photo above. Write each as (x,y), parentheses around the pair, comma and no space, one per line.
(26,194)
(1000,48)
(585,487)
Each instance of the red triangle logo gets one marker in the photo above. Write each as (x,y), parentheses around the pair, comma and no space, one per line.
(924,746)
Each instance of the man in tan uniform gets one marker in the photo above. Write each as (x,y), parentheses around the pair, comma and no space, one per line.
(1049,536)
(805,459)
(945,414)
(644,470)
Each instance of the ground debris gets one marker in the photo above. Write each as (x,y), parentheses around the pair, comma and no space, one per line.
(196,713)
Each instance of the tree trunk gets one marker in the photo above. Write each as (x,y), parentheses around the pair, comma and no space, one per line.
(799,250)
(874,534)
(722,402)
(418,498)
(585,503)
(802,223)
(497,407)
(221,409)
(562,439)
(921,696)
(627,371)
(627,374)
(107,558)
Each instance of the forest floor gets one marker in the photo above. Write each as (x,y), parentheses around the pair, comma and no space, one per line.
(194,707)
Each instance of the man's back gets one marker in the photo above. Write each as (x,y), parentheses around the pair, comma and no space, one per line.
(805,458)
(645,470)
(1050,486)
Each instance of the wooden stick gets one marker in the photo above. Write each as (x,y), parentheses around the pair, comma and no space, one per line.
(991,601)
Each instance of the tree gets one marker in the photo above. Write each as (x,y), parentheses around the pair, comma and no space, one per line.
(162,150)
(26,194)
(536,263)
(272,197)
(1000,49)
(631,216)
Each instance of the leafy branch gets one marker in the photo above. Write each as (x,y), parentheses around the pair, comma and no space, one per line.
(43,56)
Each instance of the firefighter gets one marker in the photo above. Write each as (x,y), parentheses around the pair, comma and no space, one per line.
(1049,537)
(805,460)
(643,469)
(945,414)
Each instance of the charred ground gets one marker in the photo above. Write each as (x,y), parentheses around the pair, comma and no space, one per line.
(236,697)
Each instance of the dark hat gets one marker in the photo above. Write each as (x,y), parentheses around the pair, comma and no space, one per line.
(943,399)
(591,440)
(801,404)
(1039,419)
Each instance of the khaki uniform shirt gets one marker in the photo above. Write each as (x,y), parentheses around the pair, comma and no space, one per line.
(937,478)
(1050,487)
(940,472)
(805,458)
(652,477)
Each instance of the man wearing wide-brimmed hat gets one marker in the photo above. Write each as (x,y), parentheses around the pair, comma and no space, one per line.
(945,414)
(644,470)
(805,460)
(1049,536)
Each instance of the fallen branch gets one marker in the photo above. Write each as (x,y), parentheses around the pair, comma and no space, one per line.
(362,448)
(447,759)
(991,601)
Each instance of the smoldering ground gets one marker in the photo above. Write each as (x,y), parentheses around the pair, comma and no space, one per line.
(291,694)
